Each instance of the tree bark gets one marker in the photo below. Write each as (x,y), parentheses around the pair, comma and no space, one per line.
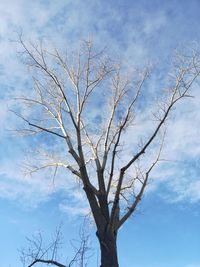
(108,247)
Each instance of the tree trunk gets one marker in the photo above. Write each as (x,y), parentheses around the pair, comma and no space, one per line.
(108,247)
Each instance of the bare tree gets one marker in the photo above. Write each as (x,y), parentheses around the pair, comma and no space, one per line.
(90,103)
(38,252)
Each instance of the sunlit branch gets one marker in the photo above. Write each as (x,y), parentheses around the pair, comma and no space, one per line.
(55,164)
(52,76)
(38,126)
(118,136)
(132,208)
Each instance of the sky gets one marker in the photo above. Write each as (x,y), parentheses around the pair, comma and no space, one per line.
(165,232)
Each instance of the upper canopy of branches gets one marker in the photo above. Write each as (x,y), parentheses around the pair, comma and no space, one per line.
(89,101)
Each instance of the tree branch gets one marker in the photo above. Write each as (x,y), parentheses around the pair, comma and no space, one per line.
(52,262)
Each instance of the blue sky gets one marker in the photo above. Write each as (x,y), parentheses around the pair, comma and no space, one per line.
(166,230)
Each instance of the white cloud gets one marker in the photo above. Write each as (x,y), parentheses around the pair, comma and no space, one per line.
(155,23)
(74,209)
(76,204)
